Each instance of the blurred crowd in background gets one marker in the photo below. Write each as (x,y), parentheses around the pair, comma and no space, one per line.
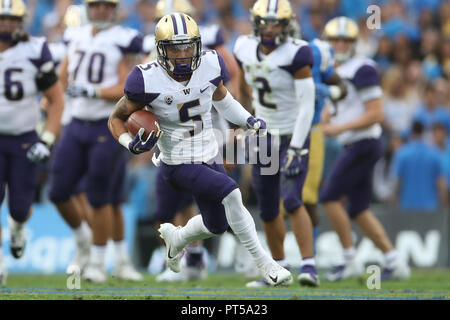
(412,49)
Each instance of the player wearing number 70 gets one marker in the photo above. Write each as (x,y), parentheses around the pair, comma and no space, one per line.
(27,68)
(180,88)
(278,70)
(94,70)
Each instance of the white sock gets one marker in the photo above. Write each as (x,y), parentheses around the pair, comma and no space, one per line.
(194,230)
(391,258)
(98,254)
(120,250)
(15,225)
(349,254)
(83,231)
(308,261)
(282,262)
(243,226)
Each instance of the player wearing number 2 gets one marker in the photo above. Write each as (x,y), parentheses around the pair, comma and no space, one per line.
(278,69)
(95,69)
(26,68)
(180,88)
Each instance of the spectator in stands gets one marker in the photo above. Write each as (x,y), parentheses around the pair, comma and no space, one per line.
(430,111)
(419,174)
(441,141)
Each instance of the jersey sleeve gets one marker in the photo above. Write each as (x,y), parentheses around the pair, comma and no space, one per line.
(46,75)
(219,39)
(224,74)
(135,45)
(367,82)
(303,57)
(135,87)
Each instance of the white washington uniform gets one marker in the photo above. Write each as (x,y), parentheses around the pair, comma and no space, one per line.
(272,79)
(94,61)
(184,111)
(19,68)
(360,75)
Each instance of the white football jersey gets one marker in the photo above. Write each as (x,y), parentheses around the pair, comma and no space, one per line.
(271,78)
(93,63)
(19,66)
(184,111)
(363,84)
(58,51)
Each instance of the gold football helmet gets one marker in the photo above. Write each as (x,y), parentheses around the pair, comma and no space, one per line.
(75,16)
(13,9)
(342,28)
(178,32)
(101,24)
(164,7)
(273,12)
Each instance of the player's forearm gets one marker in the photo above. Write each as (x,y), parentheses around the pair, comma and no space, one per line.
(232,110)
(443,192)
(113,93)
(305,93)
(55,108)
(374,114)
(118,118)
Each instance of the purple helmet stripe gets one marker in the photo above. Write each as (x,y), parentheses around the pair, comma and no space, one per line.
(184,23)
(175,28)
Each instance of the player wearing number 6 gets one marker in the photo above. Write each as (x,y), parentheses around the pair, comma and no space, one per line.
(180,88)
(278,70)
(94,70)
(26,68)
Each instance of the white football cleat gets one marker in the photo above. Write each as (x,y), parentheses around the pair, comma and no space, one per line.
(94,273)
(18,238)
(170,276)
(401,271)
(82,254)
(276,275)
(3,274)
(352,269)
(124,270)
(167,232)
(264,284)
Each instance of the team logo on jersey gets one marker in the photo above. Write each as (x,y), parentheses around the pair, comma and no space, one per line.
(187,91)
(168,99)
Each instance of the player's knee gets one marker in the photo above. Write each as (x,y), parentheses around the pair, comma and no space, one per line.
(217,229)
(355,211)
(59,194)
(292,203)
(269,215)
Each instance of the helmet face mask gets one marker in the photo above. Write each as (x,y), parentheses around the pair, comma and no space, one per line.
(279,30)
(102,14)
(272,21)
(342,33)
(178,45)
(12,18)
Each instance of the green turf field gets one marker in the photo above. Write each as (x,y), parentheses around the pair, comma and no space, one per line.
(424,284)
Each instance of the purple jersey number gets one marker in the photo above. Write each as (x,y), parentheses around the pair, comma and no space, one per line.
(13,89)
(183,110)
(96,63)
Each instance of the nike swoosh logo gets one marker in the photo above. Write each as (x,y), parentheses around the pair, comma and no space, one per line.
(201,91)
(274,279)
(168,254)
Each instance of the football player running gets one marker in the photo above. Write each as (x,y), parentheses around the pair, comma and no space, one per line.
(355,122)
(328,86)
(27,69)
(278,69)
(99,56)
(175,204)
(180,88)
